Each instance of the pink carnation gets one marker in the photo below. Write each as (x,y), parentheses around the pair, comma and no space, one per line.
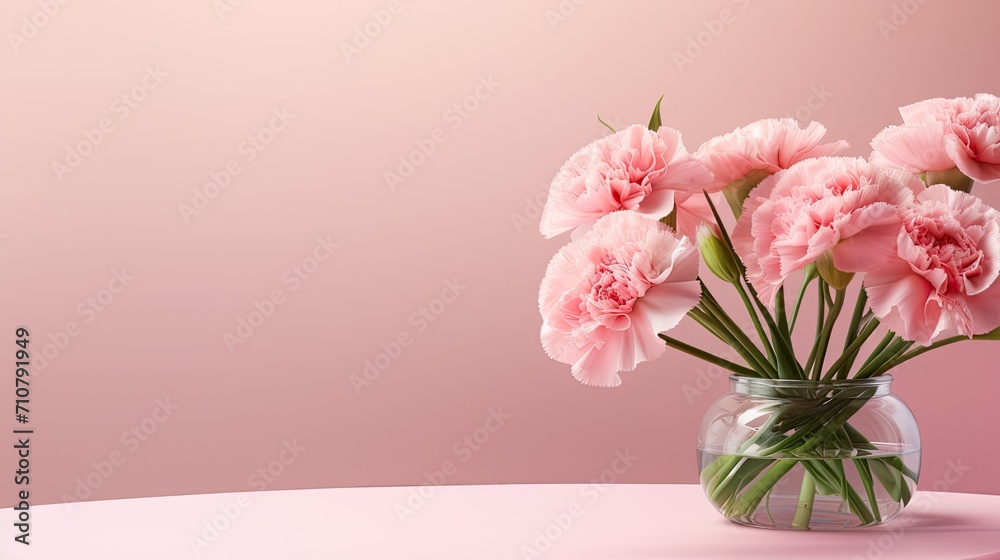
(843,205)
(940,134)
(942,277)
(768,145)
(608,293)
(634,169)
(692,211)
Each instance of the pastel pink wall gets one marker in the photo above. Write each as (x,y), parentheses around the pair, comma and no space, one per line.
(467,214)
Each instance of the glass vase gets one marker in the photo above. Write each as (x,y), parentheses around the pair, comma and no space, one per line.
(820,455)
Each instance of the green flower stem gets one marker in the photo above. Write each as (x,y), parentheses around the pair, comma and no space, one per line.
(851,354)
(735,488)
(875,362)
(708,357)
(788,367)
(893,360)
(888,338)
(807,495)
(810,275)
(885,359)
(779,311)
(865,473)
(723,465)
(846,360)
(859,311)
(825,485)
(801,435)
(846,491)
(897,463)
(771,357)
(738,484)
(707,321)
(824,338)
(756,466)
(710,304)
(892,480)
(914,353)
(746,470)
(713,325)
(840,413)
(708,473)
(751,497)
(726,464)
(828,417)
(859,441)
(820,321)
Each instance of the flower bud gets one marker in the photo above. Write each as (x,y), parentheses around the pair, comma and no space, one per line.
(837,279)
(718,258)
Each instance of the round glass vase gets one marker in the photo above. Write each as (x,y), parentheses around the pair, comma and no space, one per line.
(821,455)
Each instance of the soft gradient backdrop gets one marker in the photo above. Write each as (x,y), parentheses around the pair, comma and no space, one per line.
(143,391)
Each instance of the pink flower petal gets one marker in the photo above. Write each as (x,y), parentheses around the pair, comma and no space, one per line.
(609,292)
(634,169)
(819,205)
(943,277)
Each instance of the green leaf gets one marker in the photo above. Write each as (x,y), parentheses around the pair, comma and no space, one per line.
(891,479)
(904,493)
(655,122)
(866,478)
(609,127)
(836,476)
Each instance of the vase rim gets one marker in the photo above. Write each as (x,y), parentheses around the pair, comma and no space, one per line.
(742,383)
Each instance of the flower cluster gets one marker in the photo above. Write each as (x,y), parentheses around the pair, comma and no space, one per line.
(642,208)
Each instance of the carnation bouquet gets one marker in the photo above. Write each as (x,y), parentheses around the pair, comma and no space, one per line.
(900,232)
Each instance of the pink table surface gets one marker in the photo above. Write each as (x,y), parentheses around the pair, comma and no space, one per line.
(555,521)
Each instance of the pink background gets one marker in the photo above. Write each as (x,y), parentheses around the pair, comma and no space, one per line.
(467,213)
